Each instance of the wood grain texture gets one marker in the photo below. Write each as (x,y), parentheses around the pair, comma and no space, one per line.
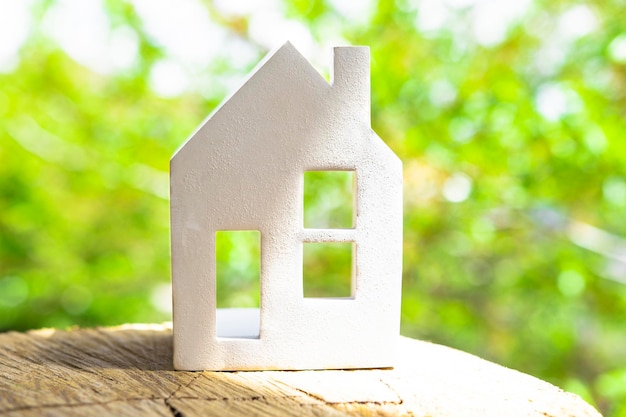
(127,371)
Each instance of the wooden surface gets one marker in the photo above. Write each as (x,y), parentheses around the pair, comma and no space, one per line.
(127,371)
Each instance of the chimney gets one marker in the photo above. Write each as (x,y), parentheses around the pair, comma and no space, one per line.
(351,78)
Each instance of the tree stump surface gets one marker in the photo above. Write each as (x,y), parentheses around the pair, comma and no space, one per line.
(127,371)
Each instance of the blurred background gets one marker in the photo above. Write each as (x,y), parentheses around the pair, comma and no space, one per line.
(510,118)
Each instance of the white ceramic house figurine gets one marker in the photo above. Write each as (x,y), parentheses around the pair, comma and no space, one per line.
(243,170)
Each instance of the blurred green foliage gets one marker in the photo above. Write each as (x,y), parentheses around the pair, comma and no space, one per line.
(509,116)
(238,268)
(328,199)
(327,269)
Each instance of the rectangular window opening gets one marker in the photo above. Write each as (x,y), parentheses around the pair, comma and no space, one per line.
(329,199)
(328,270)
(237,280)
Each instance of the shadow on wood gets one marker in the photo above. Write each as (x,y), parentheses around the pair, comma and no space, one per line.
(127,370)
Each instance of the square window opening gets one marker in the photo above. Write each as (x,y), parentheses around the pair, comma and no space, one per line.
(329,199)
(328,270)
(237,281)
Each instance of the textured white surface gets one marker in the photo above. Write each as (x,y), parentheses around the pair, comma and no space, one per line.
(243,169)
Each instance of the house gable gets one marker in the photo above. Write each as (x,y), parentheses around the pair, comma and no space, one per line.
(283,72)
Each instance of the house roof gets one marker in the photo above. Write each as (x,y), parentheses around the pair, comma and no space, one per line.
(284,69)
